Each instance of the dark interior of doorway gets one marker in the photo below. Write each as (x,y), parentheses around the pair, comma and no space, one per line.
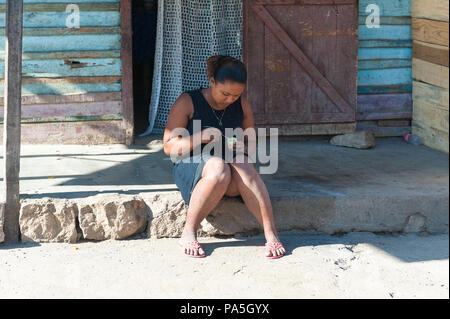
(144,14)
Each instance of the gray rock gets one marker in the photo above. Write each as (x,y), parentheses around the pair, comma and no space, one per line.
(112,217)
(359,139)
(48,221)
(169,216)
(415,223)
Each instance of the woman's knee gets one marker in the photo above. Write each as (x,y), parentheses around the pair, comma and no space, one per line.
(217,171)
(247,173)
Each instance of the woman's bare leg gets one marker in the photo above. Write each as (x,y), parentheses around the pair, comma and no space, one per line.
(249,184)
(209,190)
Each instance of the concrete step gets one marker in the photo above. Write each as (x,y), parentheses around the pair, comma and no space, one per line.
(113,192)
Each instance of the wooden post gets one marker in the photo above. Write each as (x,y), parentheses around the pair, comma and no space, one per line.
(12,113)
(127,70)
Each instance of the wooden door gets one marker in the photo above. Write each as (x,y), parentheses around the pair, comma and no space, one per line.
(302,63)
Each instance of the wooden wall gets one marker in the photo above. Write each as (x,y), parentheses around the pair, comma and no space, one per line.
(384,76)
(71,77)
(430,61)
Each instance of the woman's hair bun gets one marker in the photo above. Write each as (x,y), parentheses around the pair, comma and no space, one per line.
(224,67)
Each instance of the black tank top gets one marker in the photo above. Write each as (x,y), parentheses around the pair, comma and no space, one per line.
(232,118)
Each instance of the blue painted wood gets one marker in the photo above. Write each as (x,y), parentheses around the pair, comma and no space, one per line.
(58,19)
(405,88)
(68,43)
(59,68)
(384,64)
(384,77)
(388,8)
(385,32)
(64,1)
(384,53)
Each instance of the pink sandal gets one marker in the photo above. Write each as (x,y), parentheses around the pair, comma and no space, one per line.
(272,247)
(192,245)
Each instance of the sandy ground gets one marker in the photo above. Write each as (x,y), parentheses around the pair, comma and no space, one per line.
(355,265)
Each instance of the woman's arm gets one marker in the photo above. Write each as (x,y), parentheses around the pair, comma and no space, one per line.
(248,122)
(178,118)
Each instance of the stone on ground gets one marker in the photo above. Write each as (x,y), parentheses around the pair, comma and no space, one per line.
(360,139)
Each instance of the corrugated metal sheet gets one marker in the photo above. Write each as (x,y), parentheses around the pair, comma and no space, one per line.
(82,64)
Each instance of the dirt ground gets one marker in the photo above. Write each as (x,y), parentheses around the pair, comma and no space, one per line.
(354,265)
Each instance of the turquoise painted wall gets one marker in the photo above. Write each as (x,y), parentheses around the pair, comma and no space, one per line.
(384,54)
(48,44)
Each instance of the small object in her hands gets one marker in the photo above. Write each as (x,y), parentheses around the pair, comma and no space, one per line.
(231,141)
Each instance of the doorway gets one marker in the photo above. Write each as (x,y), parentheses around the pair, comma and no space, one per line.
(144,15)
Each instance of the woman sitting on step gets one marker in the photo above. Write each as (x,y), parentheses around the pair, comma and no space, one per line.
(204,182)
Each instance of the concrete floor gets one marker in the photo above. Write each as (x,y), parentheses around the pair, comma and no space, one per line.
(306,168)
(391,187)
(355,265)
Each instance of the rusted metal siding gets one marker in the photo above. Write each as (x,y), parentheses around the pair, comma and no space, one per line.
(69,74)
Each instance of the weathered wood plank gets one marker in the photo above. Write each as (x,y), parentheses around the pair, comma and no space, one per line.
(69,98)
(430,9)
(59,19)
(385,89)
(384,77)
(69,67)
(433,53)
(387,7)
(312,129)
(438,97)
(384,64)
(61,7)
(92,133)
(66,88)
(385,32)
(384,53)
(430,116)
(68,55)
(387,20)
(384,43)
(382,131)
(430,31)
(12,129)
(430,73)
(127,70)
(45,112)
(60,1)
(394,123)
(384,106)
(431,137)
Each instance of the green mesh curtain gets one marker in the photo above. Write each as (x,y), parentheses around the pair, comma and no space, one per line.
(188,33)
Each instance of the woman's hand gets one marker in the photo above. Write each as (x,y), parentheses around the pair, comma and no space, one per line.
(239,147)
(210,134)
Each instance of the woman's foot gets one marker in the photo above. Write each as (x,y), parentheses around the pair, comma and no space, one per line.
(191,247)
(274,248)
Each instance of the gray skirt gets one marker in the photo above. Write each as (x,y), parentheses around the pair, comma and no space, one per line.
(187,173)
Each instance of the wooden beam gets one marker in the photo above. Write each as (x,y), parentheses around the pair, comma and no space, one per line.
(127,70)
(11,136)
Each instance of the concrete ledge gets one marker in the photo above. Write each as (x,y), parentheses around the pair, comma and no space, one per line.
(115,192)
(118,216)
